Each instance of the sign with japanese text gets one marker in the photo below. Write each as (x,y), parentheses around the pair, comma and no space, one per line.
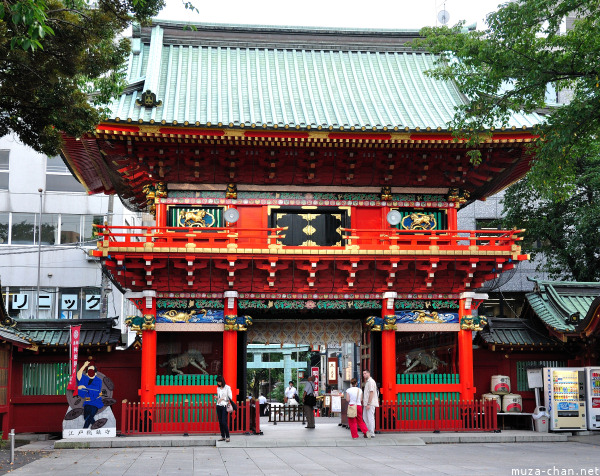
(74,352)
(92,302)
(45,301)
(19,301)
(68,302)
(332,370)
(315,372)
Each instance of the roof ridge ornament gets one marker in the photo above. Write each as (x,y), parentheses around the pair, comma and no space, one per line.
(148,100)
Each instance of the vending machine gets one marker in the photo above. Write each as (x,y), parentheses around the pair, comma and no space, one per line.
(564,396)
(592,379)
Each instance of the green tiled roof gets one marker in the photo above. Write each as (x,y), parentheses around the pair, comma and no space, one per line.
(52,332)
(517,332)
(296,78)
(554,302)
(10,335)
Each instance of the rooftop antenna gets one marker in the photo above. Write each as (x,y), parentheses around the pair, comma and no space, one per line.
(443,15)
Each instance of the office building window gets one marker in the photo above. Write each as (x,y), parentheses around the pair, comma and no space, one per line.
(90,233)
(56,229)
(4,225)
(23,229)
(59,178)
(4,167)
(70,229)
(49,229)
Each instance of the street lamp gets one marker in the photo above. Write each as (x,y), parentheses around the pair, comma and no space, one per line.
(39,266)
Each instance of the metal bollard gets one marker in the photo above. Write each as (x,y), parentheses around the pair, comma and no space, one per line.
(12,446)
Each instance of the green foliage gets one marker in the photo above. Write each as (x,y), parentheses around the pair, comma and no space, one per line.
(256,377)
(566,231)
(508,67)
(53,54)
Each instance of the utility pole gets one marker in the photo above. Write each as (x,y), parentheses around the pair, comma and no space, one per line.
(105,282)
(39,266)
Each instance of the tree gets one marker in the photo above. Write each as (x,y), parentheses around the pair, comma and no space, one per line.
(565,231)
(53,55)
(509,67)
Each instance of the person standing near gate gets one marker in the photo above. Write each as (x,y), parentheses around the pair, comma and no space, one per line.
(262,402)
(224,396)
(354,398)
(370,402)
(290,394)
(310,400)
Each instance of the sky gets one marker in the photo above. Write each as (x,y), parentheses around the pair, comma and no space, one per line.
(386,14)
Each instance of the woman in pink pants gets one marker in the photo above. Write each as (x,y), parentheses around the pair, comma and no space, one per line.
(354,398)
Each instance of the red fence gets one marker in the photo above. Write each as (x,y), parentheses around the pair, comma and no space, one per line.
(473,415)
(185,418)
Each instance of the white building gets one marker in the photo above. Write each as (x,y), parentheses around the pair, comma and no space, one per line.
(69,281)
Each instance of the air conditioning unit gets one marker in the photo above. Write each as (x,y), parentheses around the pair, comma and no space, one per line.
(89,256)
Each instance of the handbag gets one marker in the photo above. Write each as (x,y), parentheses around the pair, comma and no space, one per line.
(310,400)
(233,405)
(352,411)
(229,407)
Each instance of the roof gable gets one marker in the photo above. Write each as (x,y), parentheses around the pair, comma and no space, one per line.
(563,306)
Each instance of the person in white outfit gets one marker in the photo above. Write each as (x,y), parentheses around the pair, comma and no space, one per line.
(224,396)
(290,394)
(370,402)
(354,398)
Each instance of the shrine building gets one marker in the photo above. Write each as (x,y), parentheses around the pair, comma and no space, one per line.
(305,189)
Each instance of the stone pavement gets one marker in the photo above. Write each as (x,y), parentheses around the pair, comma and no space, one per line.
(417,460)
(327,433)
(290,449)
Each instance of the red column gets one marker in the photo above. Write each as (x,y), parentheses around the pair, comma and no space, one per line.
(161,214)
(148,391)
(465,355)
(388,351)
(452,218)
(230,345)
(7,420)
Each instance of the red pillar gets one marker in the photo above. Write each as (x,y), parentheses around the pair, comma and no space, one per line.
(465,354)
(7,419)
(161,214)
(230,345)
(148,384)
(452,218)
(388,351)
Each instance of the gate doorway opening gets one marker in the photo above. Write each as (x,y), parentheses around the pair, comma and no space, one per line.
(291,346)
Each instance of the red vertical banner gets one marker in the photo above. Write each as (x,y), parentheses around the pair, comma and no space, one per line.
(74,354)
(315,373)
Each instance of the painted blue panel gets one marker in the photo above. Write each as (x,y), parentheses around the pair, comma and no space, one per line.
(210,316)
(426,317)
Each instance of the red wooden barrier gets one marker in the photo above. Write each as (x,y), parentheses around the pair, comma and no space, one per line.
(185,418)
(471,415)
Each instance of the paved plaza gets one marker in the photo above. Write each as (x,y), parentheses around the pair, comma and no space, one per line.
(290,449)
(432,459)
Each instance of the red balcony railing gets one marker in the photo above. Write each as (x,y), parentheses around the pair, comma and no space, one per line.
(232,238)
